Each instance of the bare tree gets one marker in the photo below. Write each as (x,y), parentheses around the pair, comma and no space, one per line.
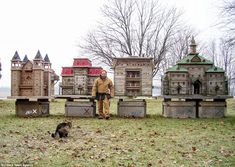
(223,56)
(228,19)
(140,28)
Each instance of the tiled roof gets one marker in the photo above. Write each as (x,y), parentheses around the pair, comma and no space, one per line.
(176,68)
(25,58)
(38,56)
(46,59)
(16,56)
(215,69)
(188,60)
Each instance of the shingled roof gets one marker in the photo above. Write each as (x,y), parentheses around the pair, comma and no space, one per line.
(176,68)
(16,57)
(188,60)
(25,58)
(38,56)
(46,59)
(215,69)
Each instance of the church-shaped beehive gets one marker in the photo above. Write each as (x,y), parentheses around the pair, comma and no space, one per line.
(32,78)
(194,87)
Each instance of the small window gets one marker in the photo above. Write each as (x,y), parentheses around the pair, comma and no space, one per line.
(210,83)
(183,83)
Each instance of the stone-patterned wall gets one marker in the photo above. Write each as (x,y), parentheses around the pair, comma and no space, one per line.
(67,91)
(119,81)
(178,79)
(38,82)
(80,80)
(197,71)
(122,66)
(215,79)
(26,92)
(15,82)
(91,80)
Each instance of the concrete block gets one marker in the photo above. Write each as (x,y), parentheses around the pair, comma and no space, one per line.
(212,109)
(26,108)
(80,108)
(131,108)
(179,109)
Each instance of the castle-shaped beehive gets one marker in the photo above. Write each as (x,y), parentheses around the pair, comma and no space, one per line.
(32,78)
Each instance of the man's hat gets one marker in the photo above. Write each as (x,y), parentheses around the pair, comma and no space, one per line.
(103,73)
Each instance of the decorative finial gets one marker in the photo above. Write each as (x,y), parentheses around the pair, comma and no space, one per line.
(193,46)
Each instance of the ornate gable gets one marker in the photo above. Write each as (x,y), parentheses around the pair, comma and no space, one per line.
(28,66)
(196,59)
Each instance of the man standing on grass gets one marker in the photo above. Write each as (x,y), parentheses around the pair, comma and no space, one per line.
(102,91)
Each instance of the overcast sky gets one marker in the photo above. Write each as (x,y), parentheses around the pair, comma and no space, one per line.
(55,27)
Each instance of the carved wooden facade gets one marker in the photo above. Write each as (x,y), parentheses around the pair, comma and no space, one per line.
(32,78)
(79,79)
(133,76)
(194,88)
(194,74)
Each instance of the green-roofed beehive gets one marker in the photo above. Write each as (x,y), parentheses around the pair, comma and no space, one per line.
(193,77)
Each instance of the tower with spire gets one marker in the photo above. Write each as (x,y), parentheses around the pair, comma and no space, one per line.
(38,71)
(16,66)
(32,78)
(47,75)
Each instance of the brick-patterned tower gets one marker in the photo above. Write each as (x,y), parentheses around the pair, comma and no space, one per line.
(16,65)
(47,76)
(38,71)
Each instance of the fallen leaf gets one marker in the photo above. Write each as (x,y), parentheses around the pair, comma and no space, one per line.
(98,131)
(149,165)
(37,158)
(226,153)
(194,149)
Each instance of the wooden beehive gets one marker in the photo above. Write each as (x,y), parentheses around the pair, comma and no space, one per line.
(133,76)
(79,79)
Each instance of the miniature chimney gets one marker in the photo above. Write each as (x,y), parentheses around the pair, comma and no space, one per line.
(193,46)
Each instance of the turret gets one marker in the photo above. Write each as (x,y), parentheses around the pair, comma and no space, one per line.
(47,63)
(16,67)
(193,46)
(38,73)
(16,62)
(38,61)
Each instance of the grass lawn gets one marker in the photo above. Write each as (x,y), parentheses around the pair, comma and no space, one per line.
(152,141)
